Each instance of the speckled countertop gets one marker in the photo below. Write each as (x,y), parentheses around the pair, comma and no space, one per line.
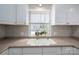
(22,42)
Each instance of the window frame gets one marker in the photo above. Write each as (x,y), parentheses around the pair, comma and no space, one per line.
(39,23)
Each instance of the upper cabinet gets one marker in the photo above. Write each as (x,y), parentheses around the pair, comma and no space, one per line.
(72,15)
(22,14)
(18,14)
(60,14)
(7,14)
(14,14)
(65,14)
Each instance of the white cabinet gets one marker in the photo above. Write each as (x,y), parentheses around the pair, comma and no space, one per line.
(42,51)
(14,14)
(67,51)
(7,14)
(72,15)
(65,14)
(15,51)
(60,14)
(22,14)
(76,51)
(52,51)
(32,51)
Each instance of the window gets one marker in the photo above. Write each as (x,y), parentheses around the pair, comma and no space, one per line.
(39,24)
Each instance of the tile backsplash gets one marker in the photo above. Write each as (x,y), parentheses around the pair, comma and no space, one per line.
(22,31)
(16,31)
(61,31)
(75,31)
(2,31)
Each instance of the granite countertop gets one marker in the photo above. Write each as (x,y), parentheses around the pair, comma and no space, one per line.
(22,42)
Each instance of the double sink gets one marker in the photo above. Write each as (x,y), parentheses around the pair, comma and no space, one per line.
(41,42)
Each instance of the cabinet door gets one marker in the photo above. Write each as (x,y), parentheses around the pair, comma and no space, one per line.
(76,51)
(32,51)
(15,51)
(52,51)
(7,14)
(60,14)
(22,14)
(66,14)
(67,50)
(60,21)
(72,15)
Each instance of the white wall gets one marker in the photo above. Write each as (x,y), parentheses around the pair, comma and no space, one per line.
(61,31)
(16,31)
(2,31)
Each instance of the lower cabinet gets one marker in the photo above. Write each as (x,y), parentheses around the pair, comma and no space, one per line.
(25,51)
(32,51)
(42,51)
(76,51)
(60,51)
(15,51)
(52,51)
(67,51)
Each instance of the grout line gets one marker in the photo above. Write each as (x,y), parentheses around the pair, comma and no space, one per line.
(42,51)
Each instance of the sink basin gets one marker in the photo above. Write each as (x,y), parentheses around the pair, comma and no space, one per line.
(40,42)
